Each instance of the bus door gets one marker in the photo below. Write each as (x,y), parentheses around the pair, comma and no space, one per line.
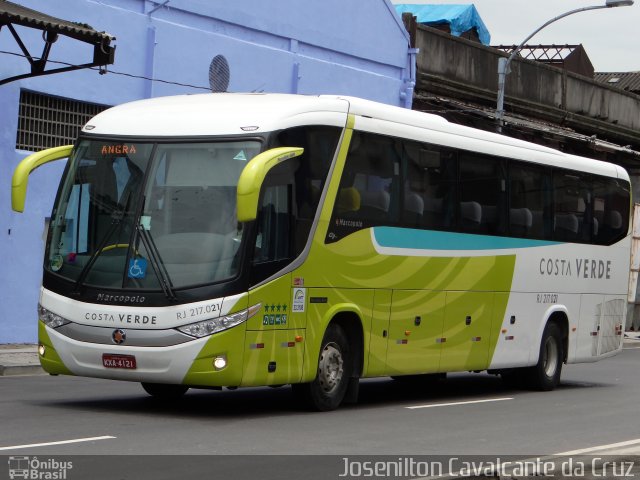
(415,332)
(273,347)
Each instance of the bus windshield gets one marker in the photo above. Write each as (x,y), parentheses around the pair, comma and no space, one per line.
(149,216)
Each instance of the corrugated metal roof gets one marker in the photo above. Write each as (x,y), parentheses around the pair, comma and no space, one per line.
(629,81)
(12,13)
(521,122)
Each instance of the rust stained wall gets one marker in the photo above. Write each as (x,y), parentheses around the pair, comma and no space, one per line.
(602,102)
(467,70)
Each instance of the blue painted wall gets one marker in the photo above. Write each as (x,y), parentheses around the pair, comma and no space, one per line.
(348,47)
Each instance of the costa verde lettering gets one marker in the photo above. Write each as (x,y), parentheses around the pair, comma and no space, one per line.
(581,267)
(121,318)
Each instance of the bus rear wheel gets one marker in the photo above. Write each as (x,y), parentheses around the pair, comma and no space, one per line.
(545,375)
(163,391)
(328,389)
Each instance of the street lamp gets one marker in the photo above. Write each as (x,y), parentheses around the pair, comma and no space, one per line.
(503,63)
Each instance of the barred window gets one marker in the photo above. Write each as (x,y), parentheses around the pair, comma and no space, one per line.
(45,121)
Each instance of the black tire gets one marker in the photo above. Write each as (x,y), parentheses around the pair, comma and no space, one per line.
(545,375)
(163,391)
(335,365)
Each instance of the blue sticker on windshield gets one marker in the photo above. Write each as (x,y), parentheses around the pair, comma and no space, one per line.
(137,268)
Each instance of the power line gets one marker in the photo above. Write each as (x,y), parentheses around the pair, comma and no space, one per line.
(452,110)
(115,72)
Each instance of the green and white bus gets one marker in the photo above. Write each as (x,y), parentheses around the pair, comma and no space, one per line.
(232,240)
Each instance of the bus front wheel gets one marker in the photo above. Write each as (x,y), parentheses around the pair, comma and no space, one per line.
(545,375)
(328,389)
(163,391)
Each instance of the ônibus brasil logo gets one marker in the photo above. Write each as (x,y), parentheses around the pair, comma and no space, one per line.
(36,469)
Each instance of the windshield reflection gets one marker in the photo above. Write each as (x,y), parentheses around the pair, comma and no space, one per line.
(176,229)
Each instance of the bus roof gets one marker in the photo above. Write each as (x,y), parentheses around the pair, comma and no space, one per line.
(217,114)
(390,120)
(212,114)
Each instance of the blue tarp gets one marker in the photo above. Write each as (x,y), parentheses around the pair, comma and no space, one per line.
(460,18)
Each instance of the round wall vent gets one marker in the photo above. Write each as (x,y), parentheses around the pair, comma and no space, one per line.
(219,74)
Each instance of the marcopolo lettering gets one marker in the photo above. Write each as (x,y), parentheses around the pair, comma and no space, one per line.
(583,268)
(120,298)
(340,222)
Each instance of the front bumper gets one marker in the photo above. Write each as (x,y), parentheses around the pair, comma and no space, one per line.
(189,363)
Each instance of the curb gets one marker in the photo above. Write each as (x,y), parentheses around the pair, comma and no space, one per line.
(631,340)
(19,359)
(11,370)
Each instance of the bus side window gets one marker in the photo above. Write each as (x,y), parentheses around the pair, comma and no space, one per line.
(529,201)
(274,226)
(572,221)
(319,144)
(482,194)
(430,186)
(273,239)
(610,211)
(369,192)
(374,168)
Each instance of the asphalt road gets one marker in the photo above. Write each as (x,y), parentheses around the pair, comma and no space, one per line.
(596,407)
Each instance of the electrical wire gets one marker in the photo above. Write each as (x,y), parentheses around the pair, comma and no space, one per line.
(451,110)
(101,70)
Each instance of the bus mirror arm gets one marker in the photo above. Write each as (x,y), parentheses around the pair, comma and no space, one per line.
(28,165)
(253,176)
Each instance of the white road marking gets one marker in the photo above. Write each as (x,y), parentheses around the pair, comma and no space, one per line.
(61,442)
(601,447)
(450,404)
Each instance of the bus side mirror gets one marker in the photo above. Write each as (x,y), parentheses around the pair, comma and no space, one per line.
(28,165)
(253,175)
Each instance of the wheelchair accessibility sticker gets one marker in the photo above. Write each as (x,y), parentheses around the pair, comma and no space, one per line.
(137,268)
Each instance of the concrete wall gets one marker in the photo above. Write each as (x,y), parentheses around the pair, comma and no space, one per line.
(463,69)
(598,101)
(356,48)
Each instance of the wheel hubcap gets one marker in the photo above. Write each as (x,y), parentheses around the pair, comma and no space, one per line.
(552,353)
(330,368)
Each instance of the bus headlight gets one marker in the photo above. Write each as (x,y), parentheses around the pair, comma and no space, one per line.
(214,325)
(50,319)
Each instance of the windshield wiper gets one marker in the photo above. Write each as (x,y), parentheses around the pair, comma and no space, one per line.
(156,262)
(116,218)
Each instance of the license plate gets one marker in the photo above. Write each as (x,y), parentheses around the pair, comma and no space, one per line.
(119,361)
